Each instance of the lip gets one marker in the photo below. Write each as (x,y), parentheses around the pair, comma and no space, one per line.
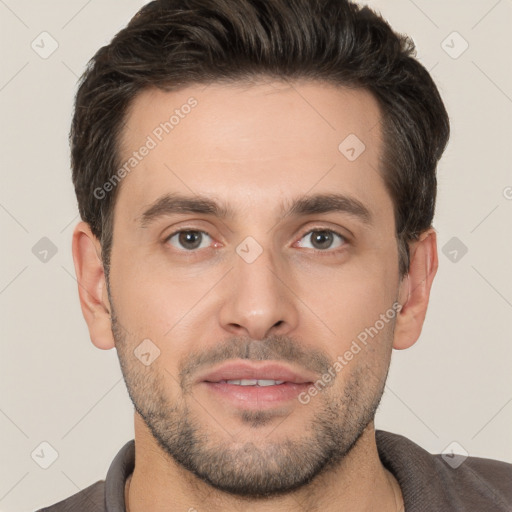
(255,398)
(264,370)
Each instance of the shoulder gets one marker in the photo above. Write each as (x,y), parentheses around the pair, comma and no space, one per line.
(111,490)
(91,498)
(488,477)
(448,482)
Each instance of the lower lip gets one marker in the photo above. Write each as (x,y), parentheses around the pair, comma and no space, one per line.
(257,397)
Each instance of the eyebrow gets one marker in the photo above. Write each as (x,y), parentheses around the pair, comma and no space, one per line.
(170,204)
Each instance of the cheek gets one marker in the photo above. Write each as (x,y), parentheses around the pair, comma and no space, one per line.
(155,302)
(135,283)
(346,300)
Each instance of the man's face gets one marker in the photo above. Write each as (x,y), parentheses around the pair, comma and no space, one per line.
(261,293)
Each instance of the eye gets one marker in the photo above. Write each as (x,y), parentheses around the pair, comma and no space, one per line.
(188,239)
(323,239)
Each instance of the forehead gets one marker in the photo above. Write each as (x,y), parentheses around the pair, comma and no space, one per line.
(254,146)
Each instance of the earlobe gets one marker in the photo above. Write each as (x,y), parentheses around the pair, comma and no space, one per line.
(92,288)
(414,292)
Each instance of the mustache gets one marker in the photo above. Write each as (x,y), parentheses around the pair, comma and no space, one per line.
(275,348)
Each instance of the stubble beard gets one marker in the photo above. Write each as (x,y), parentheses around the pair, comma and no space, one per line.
(262,470)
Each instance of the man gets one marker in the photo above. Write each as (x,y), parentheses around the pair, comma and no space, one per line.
(257,184)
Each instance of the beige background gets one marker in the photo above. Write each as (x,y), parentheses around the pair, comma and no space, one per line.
(455,384)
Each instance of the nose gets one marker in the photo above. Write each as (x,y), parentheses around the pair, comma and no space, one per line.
(258,301)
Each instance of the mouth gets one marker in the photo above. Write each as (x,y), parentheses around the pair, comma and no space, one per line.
(253,382)
(255,386)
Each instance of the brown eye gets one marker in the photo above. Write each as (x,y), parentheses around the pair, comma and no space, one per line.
(189,240)
(323,239)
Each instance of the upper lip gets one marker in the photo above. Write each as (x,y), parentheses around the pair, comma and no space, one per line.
(235,370)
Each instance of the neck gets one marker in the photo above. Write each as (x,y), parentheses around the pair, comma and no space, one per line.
(359,484)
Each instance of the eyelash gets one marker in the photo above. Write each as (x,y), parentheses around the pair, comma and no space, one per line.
(326,252)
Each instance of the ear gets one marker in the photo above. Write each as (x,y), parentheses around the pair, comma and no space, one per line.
(414,292)
(92,287)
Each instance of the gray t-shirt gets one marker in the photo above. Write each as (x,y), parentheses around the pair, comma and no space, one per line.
(428,482)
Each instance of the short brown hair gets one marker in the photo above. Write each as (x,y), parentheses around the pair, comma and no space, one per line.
(170,44)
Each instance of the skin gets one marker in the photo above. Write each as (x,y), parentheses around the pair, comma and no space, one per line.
(255,147)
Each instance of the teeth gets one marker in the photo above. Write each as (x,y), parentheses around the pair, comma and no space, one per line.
(248,382)
(255,382)
(264,382)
